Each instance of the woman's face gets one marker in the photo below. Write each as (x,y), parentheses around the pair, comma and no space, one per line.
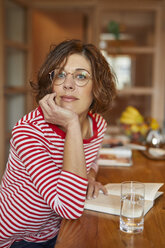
(69,95)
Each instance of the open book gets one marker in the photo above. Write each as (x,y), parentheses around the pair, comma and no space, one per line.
(111,203)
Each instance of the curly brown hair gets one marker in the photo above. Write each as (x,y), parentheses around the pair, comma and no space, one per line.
(104,79)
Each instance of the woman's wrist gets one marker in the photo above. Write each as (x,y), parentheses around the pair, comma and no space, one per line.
(91,175)
(73,123)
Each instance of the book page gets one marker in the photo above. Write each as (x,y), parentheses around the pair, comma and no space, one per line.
(104,203)
(110,204)
(150,189)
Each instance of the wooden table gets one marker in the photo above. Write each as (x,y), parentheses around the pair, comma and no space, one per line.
(99,230)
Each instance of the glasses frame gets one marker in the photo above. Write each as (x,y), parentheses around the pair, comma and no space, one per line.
(52,79)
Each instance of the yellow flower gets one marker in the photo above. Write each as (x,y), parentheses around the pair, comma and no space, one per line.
(134,128)
(143,128)
(154,124)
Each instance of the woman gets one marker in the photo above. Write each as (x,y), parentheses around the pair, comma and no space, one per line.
(52,162)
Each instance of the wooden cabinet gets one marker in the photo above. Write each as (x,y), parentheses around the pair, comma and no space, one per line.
(15,68)
(130,36)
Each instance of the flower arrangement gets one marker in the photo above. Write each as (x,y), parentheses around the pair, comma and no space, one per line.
(136,126)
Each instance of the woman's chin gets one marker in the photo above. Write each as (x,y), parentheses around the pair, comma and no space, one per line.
(69,107)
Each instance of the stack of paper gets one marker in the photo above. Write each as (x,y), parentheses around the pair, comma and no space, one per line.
(115,157)
(111,203)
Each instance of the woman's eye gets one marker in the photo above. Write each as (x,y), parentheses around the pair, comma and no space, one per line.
(81,76)
(61,75)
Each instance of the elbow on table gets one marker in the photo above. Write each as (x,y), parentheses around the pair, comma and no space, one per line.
(68,209)
(74,215)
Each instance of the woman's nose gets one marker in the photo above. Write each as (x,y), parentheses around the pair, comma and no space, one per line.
(69,82)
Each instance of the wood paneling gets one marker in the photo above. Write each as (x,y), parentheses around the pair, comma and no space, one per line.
(51,28)
(2,122)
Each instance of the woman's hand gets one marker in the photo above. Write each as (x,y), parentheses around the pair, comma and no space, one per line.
(94,187)
(55,114)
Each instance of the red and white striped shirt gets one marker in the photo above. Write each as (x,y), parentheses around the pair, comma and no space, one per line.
(36,193)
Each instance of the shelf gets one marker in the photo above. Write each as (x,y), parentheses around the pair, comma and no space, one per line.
(130,50)
(15,90)
(17,45)
(137,91)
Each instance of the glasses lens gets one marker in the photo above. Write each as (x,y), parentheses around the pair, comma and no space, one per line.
(57,77)
(81,77)
(51,75)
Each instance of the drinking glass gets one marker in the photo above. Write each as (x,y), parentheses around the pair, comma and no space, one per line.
(132,207)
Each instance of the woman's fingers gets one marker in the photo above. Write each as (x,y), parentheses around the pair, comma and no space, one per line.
(51,98)
(90,191)
(47,98)
(55,114)
(46,104)
(94,188)
(103,188)
(97,189)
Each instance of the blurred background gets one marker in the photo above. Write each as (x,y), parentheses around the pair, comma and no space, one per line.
(131,35)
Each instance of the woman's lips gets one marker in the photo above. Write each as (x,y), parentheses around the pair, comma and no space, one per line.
(68,98)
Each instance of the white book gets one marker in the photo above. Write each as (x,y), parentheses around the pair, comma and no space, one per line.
(119,156)
(111,203)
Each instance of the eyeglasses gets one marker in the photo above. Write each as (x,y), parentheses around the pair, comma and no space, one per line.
(80,77)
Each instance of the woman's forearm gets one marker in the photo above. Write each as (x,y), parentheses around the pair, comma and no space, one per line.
(74,158)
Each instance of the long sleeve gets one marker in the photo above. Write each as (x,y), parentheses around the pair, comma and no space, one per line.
(63,191)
